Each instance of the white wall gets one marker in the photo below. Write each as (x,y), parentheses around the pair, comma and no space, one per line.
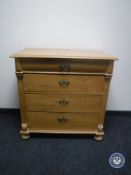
(93,24)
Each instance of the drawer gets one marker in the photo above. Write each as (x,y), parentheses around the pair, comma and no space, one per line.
(62,121)
(63,103)
(69,84)
(56,65)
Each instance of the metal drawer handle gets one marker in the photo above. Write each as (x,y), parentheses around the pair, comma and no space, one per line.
(64,83)
(64,67)
(63,102)
(62,119)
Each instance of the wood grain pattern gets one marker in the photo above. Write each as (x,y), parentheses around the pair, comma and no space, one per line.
(63,90)
(71,121)
(55,65)
(76,84)
(73,103)
(63,53)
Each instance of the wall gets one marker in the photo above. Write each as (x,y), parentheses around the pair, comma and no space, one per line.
(91,24)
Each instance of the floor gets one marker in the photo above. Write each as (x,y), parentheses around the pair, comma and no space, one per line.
(64,154)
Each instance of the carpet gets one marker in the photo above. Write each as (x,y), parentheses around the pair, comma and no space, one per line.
(64,154)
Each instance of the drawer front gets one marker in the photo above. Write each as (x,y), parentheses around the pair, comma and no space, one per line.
(63,103)
(64,83)
(55,65)
(62,121)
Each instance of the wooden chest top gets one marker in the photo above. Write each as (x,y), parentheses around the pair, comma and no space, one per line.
(63,53)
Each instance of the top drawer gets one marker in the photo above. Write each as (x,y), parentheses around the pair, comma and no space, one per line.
(55,65)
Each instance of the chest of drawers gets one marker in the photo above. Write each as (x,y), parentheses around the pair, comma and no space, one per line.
(63,90)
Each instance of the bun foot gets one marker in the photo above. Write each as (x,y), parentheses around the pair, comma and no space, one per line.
(98,137)
(25,136)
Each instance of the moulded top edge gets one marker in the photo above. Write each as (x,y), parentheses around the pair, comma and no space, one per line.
(62,53)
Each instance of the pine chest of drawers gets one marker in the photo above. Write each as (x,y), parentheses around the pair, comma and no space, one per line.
(63,90)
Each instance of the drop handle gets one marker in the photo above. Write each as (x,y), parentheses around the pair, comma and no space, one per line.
(63,102)
(64,67)
(62,119)
(63,83)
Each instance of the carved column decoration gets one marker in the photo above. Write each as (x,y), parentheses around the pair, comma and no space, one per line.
(19,75)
